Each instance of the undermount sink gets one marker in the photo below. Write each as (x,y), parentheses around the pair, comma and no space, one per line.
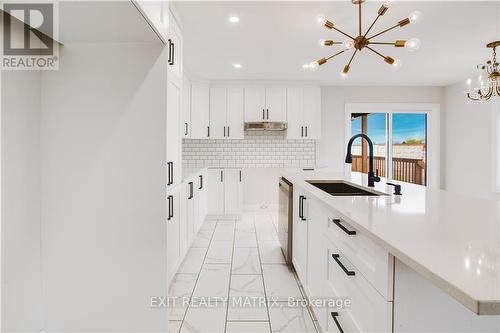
(340,188)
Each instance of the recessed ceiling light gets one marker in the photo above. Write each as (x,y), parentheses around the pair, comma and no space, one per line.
(234,19)
(237,65)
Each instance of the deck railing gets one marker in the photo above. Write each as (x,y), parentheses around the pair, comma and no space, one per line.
(408,170)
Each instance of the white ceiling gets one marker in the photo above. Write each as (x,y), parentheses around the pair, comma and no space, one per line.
(274,39)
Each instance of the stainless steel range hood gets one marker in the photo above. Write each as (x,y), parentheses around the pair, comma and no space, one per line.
(265,126)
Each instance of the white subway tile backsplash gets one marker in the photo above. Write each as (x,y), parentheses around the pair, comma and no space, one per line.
(258,149)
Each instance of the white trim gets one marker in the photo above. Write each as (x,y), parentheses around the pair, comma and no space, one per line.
(433,130)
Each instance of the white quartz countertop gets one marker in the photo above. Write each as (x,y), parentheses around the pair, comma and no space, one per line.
(451,239)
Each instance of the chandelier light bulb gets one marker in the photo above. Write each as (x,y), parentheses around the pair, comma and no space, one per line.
(415,17)
(325,42)
(343,74)
(412,44)
(387,3)
(348,44)
(396,64)
(313,66)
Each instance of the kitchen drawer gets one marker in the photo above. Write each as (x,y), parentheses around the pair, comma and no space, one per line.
(373,262)
(368,311)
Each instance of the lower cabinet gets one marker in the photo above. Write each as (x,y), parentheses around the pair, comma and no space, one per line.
(187,209)
(224,191)
(300,226)
(173,232)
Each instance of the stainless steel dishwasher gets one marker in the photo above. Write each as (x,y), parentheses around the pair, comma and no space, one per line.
(285,219)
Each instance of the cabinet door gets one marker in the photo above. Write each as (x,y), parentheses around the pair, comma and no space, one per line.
(173,222)
(174,45)
(295,126)
(255,104)
(174,97)
(183,225)
(235,113)
(312,112)
(218,102)
(190,207)
(232,191)
(186,108)
(276,104)
(215,195)
(299,247)
(200,114)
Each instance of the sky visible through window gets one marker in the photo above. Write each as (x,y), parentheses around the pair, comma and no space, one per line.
(405,126)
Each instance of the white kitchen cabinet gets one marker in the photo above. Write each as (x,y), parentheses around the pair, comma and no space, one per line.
(276,104)
(174,104)
(215,186)
(226,113)
(218,113)
(255,104)
(201,199)
(235,113)
(175,45)
(232,191)
(265,104)
(224,192)
(173,233)
(304,113)
(200,114)
(300,224)
(186,108)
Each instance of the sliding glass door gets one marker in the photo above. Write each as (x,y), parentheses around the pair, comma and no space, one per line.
(400,144)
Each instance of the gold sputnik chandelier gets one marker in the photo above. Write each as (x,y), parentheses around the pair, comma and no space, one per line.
(488,83)
(363,40)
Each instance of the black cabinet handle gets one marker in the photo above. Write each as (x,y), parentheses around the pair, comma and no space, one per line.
(190,190)
(344,229)
(240,176)
(221,176)
(348,272)
(208,131)
(334,316)
(302,131)
(263,114)
(201,182)
(224,131)
(303,218)
(228,131)
(306,131)
(267,114)
(170,207)
(170,173)
(185,128)
(170,52)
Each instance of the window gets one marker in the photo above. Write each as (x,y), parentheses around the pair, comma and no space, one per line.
(400,139)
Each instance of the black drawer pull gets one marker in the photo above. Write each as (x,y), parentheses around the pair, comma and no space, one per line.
(170,207)
(190,190)
(201,182)
(344,229)
(334,316)
(303,218)
(348,272)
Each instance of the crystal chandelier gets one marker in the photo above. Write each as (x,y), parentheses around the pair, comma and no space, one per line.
(488,82)
(363,40)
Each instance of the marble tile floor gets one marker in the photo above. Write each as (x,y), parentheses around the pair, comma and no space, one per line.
(234,279)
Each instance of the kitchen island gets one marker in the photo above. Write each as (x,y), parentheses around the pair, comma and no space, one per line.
(426,242)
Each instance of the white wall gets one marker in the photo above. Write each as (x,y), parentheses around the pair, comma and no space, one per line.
(103,188)
(20,193)
(471,144)
(330,148)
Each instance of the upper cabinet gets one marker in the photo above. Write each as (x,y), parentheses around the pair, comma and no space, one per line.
(304,112)
(186,108)
(175,44)
(226,113)
(265,104)
(200,116)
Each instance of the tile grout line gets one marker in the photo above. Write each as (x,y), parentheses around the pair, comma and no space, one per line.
(199,273)
(230,276)
(263,282)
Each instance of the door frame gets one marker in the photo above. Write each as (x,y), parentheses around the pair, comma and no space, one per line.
(433,131)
